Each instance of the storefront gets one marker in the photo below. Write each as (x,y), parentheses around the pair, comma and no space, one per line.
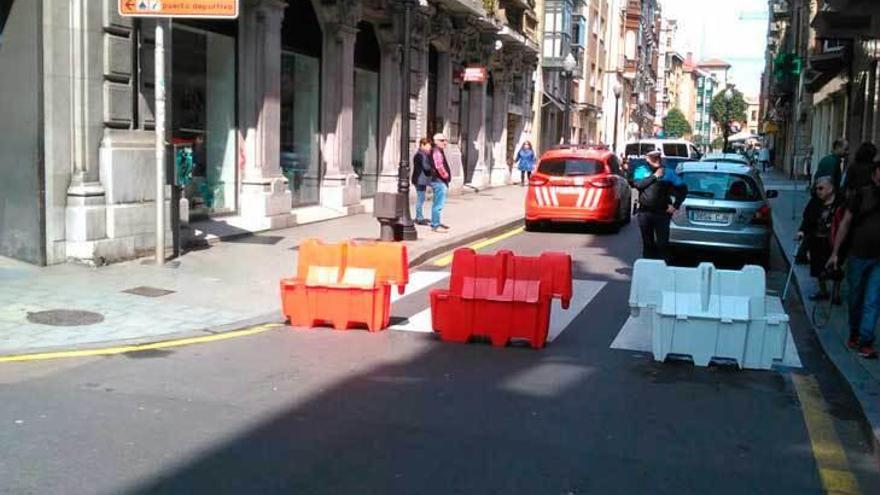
(203,114)
(300,103)
(365,114)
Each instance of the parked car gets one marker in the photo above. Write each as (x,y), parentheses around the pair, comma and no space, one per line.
(669,148)
(578,185)
(726,209)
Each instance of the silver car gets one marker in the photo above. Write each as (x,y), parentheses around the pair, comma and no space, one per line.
(726,209)
(725,157)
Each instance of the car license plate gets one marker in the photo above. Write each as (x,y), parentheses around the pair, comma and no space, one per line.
(710,216)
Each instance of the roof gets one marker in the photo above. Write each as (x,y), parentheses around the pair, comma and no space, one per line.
(717,166)
(576,152)
(714,62)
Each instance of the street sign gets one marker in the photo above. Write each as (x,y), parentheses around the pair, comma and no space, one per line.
(217,9)
(475,74)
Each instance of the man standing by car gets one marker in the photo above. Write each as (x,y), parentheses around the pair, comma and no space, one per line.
(830,165)
(862,220)
(656,208)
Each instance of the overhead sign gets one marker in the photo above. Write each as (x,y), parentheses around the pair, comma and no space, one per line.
(475,74)
(217,9)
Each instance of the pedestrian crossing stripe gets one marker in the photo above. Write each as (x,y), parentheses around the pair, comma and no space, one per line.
(584,291)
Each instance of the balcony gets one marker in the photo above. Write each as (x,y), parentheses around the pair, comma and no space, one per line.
(780,10)
(630,68)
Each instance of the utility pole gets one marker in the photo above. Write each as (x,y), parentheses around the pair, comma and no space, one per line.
(408,228)
(161,31)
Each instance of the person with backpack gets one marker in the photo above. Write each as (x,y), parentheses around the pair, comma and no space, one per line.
(860,229)
(421,177)
(656,206)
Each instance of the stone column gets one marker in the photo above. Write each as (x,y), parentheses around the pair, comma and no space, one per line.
(500,175)
(265,197)
(389,116)
(340,188)
(476,145)
(85,218)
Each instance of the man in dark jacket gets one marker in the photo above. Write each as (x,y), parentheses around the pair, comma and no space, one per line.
(422,171)
(656,208)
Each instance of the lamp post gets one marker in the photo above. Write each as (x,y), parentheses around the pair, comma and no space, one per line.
(725,130)
(406,225)
(617,91)
(568,66)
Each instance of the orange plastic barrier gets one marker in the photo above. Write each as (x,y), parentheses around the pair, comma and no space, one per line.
(501,296)
(345,284)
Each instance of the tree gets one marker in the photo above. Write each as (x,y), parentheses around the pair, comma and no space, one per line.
(728,106)
(675,125)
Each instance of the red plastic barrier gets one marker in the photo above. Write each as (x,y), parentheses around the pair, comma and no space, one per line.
(345,284)
(501,296)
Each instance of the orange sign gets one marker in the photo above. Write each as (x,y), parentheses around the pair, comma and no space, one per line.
(222,9)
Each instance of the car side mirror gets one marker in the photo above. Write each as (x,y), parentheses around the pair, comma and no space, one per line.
(772,193)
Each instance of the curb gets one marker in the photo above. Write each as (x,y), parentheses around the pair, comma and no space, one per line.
(865,389)
(275,317)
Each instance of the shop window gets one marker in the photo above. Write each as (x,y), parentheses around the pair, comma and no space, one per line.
(365,139)
(203,117)
(300,134)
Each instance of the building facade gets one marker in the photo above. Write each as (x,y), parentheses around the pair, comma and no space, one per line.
(288,114)
(707,86)
(667,76)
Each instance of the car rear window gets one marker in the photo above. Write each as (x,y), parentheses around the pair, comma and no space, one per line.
(717,185)
(675,149)
(562,168)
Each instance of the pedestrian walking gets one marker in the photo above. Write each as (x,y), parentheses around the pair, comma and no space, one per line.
(421,178)
(807,164)
(660,197)
(525,162)
(440,176)
(764,158)
(861,222)
(830,166)
(815,233)
(858,175)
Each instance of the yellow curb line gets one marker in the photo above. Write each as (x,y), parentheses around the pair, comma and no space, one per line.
(447,260)
(830,457)
(111,351)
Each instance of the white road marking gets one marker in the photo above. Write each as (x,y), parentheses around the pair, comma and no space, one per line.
(584,292)
(418,281)
(636,335)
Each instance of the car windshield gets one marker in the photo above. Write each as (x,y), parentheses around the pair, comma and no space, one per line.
(718,185)
(570,167)
(675,149)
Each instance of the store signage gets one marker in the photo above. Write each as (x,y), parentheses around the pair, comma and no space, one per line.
(475,74)
(218,9)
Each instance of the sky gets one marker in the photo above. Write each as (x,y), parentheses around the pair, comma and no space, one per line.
(732,30)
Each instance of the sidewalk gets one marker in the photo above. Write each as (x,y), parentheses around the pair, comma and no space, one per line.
(224,286)
(863,375)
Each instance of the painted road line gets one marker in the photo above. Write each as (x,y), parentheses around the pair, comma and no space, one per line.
(125,349)
(447,260)
(560,319)
(636,335)
(830,457)
(418,281)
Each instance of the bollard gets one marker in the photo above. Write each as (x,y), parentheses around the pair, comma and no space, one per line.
(388,209)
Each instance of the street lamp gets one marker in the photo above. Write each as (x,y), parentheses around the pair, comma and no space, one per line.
(617,90)
(406,225)
(568,66)
(725,130)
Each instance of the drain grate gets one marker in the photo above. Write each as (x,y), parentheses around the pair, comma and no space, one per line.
(148,291)
(65,317)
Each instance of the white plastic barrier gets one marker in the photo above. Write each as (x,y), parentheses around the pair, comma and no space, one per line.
(709,314)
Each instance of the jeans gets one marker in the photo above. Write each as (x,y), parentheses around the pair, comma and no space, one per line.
(525,174)
(655,234)
(439,201)
(420,202)
(863,278)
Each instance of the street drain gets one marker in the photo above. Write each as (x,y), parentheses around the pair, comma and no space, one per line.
(148,291)
(65,317)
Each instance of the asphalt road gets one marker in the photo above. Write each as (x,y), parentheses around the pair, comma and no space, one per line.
(400,413)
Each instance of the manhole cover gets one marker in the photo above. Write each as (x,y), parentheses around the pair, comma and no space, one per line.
(148,291)
(65,317)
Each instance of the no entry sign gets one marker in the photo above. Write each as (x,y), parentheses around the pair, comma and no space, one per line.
(218,9)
